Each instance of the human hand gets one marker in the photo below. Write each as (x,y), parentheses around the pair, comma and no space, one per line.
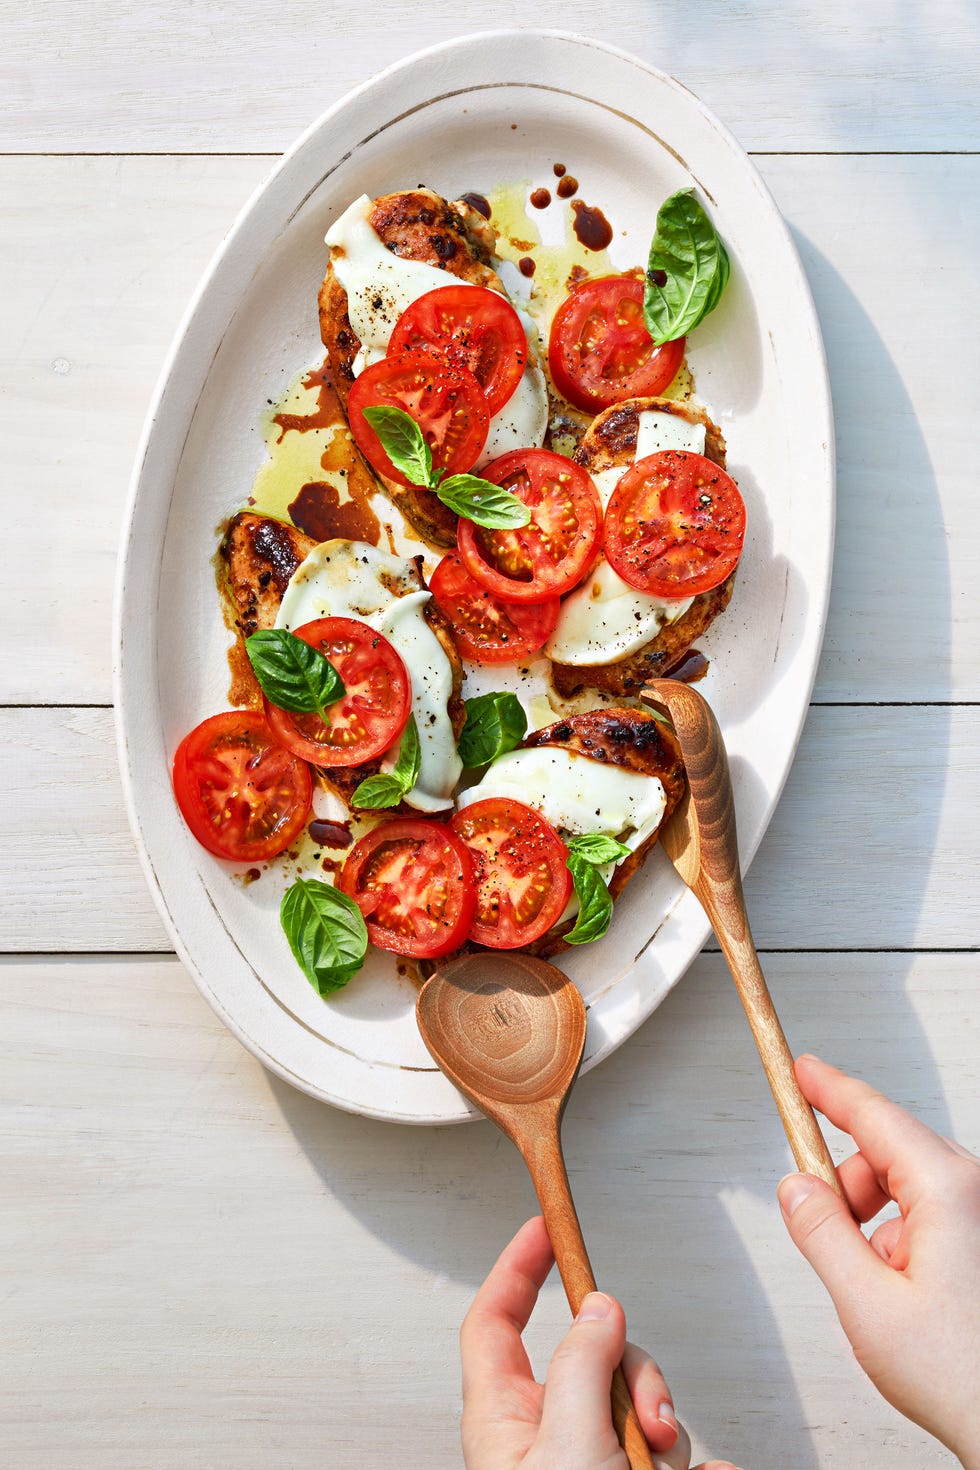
(908,1299)
(509,1420)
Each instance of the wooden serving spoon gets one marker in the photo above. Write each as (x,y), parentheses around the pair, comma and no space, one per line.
(701,841)
(508,1030)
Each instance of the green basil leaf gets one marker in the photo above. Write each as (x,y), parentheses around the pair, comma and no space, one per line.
(688,252)
(291,674)
(326,932)
(388,787)
(483,502)
(495,724)
(595,905)
(598,849)
(403,442)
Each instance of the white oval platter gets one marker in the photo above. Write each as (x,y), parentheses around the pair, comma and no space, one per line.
(466,116)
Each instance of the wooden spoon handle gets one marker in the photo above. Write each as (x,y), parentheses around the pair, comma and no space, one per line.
(725,907)
(541,1147)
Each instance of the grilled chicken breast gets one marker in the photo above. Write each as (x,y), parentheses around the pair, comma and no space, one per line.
(611,443)
(416,225)
(261,555)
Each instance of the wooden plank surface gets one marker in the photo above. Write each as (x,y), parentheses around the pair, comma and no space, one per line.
(223,78)
(220,1272)
(205,1268)
(87,337)
(873,845)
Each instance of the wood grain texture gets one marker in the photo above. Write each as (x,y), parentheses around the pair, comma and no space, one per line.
(873,844)
(701,840)
(201,1265)
(213,77)
(87,337)
(509,1030)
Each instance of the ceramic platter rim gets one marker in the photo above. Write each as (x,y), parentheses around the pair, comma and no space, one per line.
(600,95)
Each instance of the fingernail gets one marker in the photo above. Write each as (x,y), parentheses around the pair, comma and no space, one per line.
(792,1191)
(667,1416)
(595,1306)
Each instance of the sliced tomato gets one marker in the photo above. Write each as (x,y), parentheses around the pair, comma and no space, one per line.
(674,525)
(242,795)
(472,327)
(486,629)
(551,554)
(600,351)
(446,402)
(372,712)
(519,862)
(413,881)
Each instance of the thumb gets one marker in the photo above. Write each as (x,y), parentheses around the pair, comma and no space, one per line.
(826,1233)
(577,1407)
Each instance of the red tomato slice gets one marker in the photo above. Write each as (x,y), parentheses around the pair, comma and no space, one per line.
(471,327)
(600,351)
(445,401)
(522,883)
(554,551)
(486,629)
(413,882)
(242,795)
(675,524)
(372,712)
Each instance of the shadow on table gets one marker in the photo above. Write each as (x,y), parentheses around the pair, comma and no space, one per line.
(651,1132)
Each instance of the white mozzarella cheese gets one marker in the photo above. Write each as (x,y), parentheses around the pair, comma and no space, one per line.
(350,579)
(381,285)
(605,619)
(576,793)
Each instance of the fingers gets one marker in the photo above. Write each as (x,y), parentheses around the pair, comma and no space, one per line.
(490,1337)
(862,1187)
(888,1242)
(678,1457)
(651,1398)
(577,1407)
(904,1153)
(825,1232)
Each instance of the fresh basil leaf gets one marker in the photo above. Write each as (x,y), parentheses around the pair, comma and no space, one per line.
(403,442)
(720,281)
(483,502)
(292,675)
(388,787)
(495,724)
(595,905)
(598,849)
(687,251)
(326,932)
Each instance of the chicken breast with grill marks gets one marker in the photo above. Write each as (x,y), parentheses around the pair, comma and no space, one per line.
(610,444)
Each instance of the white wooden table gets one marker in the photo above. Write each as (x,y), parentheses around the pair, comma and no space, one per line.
(202,1267)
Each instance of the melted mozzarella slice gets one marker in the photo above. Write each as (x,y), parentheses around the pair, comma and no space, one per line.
(606,619)
(381,285)
(576,793)
(350,579)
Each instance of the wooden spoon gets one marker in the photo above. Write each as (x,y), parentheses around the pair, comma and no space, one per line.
(701,841)
(508,1030)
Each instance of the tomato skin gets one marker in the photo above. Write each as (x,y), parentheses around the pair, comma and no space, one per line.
(412,879)
(469,326)
(486,629)
(445,401)
(519,860)
(599,349)
(550,555)
(372,713)
(675,525)
(241,794)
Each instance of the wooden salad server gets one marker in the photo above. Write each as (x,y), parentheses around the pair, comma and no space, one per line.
(701,842)
(508,1030)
